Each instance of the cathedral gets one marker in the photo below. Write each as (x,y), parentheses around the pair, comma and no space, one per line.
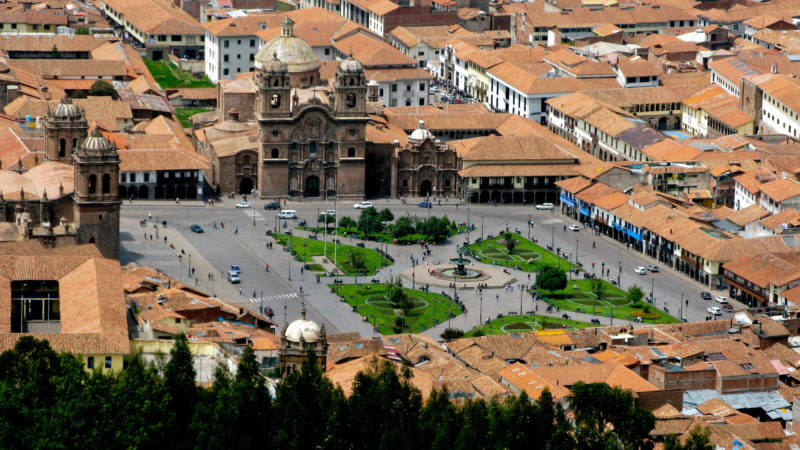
(72,195)
(298,339)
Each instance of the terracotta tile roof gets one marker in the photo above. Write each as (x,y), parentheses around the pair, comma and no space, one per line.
(748,215)
(765,269)
(397,73)
(94,108)
(638,67)
(156,17)
(667,411)
(530,83)
(433,36)
(734,69)
(379,7)
(611,373)
(592,17)
(46,176)
(525,379)
(781,87)
(45,42)
(574,185)
(789,217)
(781,189)
(240,26)
(30,16)
(372,52)
(50,68)
(91,302)
(606,29)
(761,21)
(343,375)
(522,148)
(380,131)
(578,65)
(671,150)
(195,94)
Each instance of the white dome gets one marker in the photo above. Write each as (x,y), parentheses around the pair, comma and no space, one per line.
(308,330)
(420,134)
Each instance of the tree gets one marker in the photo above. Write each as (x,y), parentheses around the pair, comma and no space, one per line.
(403,227)
(439,421)
(386,215)
(54,53)
(347,223)
(399,298)
(369,222)
(698,439)
(356,259)
(102,88)
(509,242)
(551,279)
(82,30)
(433,229)
(635,294)
(452,333)
(326,218)
(182,393)
(606,417)
(598,287)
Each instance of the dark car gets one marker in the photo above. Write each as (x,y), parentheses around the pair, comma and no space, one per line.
(268,311)
(424,204)
(196,228)
(727,307)
(705,295)
(272,205)
(596,321)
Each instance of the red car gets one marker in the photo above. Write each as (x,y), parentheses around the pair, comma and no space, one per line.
(727,307)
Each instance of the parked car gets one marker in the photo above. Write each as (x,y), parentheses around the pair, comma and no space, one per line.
(196,228)
(545,206)
(596,321)
(243,205)
(233,277)
(652,268)
(727,307)
(236,268)
(640,270)
(363,205)
(714,310)
(705,295)
(272,205)
(721,299)
(268,311)
(288,214)
(330,212)
(574,227)
(424,204)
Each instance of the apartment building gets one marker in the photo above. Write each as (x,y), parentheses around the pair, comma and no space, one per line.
(231,45)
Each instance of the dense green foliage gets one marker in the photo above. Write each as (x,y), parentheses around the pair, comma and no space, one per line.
(48,400)
(102,88)
(552,279)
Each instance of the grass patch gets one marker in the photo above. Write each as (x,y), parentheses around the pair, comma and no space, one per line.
(316,268)
(304,249)
(527,255)
(383,236)
(170,77)
(185,113)
(370,301)
(614,302)
(526,323)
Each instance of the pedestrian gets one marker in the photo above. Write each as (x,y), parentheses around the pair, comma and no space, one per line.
(150,216)
(145,236)
(165,239)
(151,237)
(236,230)
(240,291)
(222,224)
(497,298)
(192,270)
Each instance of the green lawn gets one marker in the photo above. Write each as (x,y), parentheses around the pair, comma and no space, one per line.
(384,236)
(371,301)
(614,302)
(524,324)
(527,255)
(170,77)
(304,249)
(184,114)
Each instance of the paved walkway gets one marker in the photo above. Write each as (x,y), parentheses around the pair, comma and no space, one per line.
(492,277)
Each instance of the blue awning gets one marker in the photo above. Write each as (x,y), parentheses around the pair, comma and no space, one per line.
(585,211)
(567,201)
(617,227)
(633,235)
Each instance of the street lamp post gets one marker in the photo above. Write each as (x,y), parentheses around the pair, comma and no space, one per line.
(653,297)
(325,230)
(521,290)
(335,203)
(254,216)
(469,203)
(681,307)
(576,252)
(529,227)
(481,227)
(619,277)
(190,264)
(290,257)
(480,316)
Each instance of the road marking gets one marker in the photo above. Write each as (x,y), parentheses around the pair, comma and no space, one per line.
(249,213)
(273,297)
(552,221)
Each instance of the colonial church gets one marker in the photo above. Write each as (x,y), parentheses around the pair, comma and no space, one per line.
(72,195)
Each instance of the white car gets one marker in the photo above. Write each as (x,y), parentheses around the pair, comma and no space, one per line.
(721,299)
(545,206)
(714,310)
(330,212)
(243,205)
(640,270)
(574,227)
(363,205)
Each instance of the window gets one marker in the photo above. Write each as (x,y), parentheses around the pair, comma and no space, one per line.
(274,154)
(224,71)
(106,183)
(380,92)
(90,362)
(176,38)
(146,177)
(224,58)
(92,186)
(122,177)
(394,87)
(422,86)
(238,56)
(408,88)
(225,43)
(312,147)
(62,147)
(327,51)
(352,132)
(252,58)
(238,42)
(108,362)
(162,37)
(351,152)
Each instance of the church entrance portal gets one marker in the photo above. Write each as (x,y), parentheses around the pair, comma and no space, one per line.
(312,186)
(425,188)
(245,186)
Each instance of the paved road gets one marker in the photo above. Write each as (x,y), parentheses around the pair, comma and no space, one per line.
(243,243)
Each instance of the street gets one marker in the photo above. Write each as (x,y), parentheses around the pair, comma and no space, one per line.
(243,243)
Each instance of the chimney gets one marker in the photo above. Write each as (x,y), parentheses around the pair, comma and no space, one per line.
(774,68)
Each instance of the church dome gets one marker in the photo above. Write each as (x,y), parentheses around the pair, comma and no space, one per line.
(308,330)
(293,54)
(96,141)
(351,66)
(420,134)
(65,108)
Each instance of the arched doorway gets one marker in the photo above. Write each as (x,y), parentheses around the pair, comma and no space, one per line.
(484,196)
(245,185)
(144,192)
(170,191)
(662,123)
(312,186)
(180,191)
(159,191)
(123,192)
(496,196)
(425,188)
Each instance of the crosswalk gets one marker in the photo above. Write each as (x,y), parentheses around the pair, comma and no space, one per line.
(249,213)
(287,296)
(551,221)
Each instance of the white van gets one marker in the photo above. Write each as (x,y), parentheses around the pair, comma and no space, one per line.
(288,214)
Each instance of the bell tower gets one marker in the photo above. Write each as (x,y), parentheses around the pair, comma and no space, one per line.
(96,194)
(64,127)
(274,89)
(350,89)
